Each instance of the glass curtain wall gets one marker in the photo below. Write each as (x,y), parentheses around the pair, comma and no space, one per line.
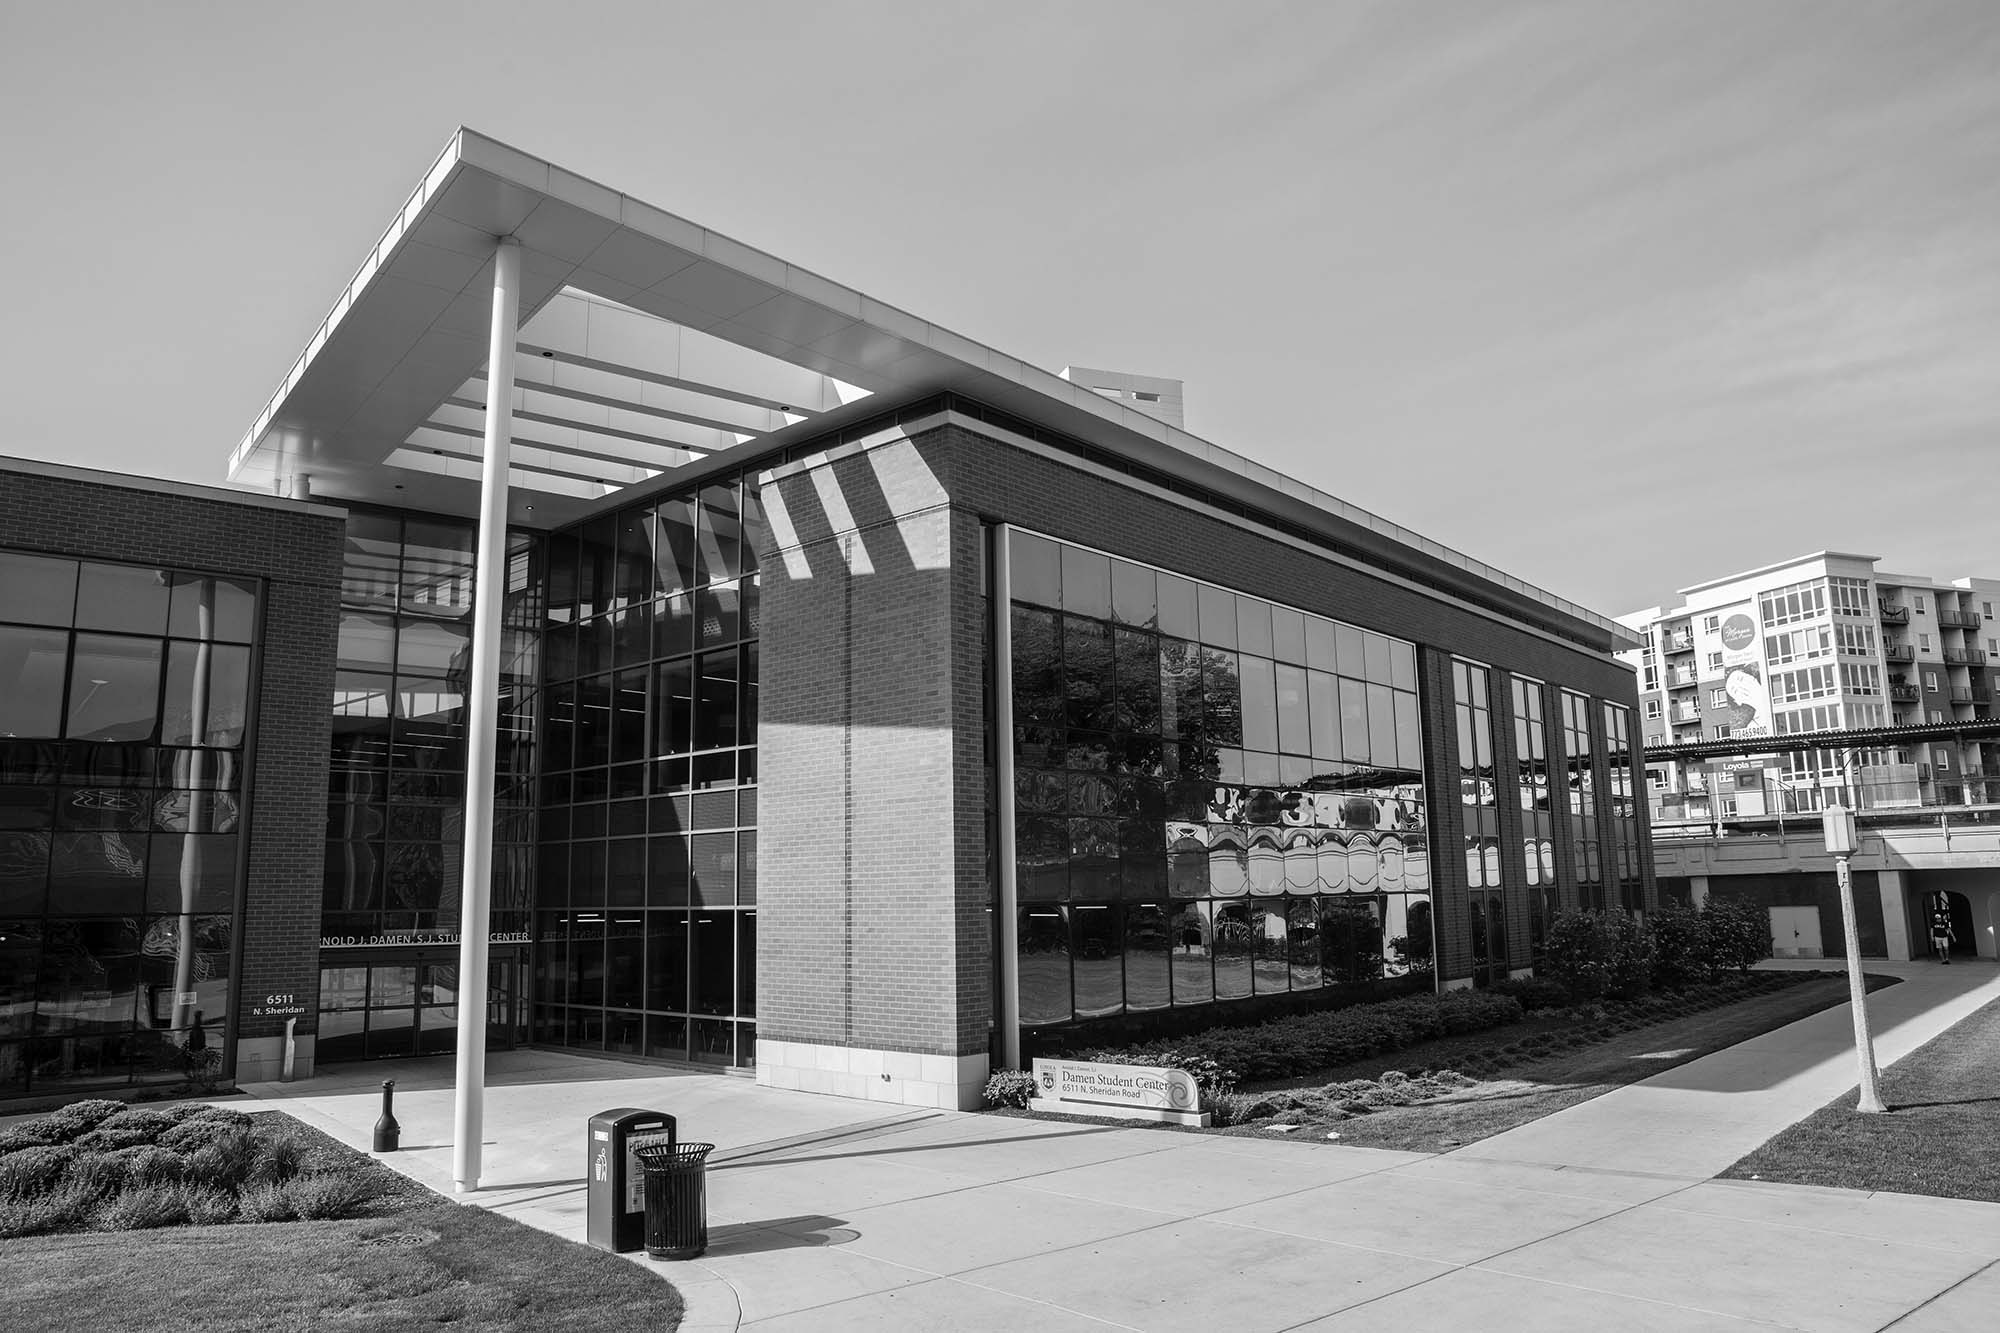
(1624,822)
(646,897)
(1478,783)
(1218,798)
(396,781)
(1585,839)
(125,697)
(1531,750)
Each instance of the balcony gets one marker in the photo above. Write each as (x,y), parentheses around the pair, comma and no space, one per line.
(1682,680)
(1677,643)
(1680,716)
(1901,652)
(1894,615)
(1961,695)
(1965,657)
(1905,694)
(1958,620)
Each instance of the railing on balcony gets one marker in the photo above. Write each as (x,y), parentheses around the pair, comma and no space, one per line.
(1958,620)
(1678,643)
(1965,656)
(1905,694)
(1682,680)
(1960,695)
(1681,715)
(1899,652)
(1895,615)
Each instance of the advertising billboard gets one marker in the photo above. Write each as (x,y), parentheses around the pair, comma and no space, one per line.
(1747,710)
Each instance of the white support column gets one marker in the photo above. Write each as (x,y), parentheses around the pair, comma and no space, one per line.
(482,708)
(1697,891)
(1895,914)
(1007,965)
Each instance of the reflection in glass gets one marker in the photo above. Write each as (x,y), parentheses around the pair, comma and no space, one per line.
(114,688)
(1097,966)
(32,665)
(1042,968)
(37,589)
(122,597)
(1234,948)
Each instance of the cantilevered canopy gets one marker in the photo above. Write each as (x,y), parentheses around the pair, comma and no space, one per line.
(647,342)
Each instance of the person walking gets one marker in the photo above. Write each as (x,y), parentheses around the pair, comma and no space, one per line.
(1942,936)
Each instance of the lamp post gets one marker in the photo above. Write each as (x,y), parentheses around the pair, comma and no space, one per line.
(1837,821)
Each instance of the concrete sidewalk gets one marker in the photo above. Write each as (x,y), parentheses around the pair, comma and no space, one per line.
(826,1215)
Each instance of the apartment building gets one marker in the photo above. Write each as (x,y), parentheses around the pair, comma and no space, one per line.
(1827,642)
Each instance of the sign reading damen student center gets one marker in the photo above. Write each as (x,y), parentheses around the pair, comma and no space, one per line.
(1127,1092)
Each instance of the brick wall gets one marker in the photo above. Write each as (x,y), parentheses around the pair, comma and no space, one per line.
(874,927)
(871,846)
(295,550)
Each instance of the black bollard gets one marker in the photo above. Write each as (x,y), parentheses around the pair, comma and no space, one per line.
(387,1131)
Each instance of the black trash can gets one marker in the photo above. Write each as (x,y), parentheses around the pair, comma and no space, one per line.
(676,1198)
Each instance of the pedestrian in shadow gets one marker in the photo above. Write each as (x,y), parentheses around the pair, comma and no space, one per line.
(1942,935)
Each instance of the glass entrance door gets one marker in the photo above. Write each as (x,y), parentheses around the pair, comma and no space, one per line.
(390,1007)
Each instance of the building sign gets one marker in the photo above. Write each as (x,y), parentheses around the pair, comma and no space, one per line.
(415,937)
(1748,710)
(1124,1092)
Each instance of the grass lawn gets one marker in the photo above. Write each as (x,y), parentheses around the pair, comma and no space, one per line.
(1577,1066)
(418,1261)
(1944,1102)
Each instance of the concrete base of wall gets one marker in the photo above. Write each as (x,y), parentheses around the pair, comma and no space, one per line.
(946,1082)
(262,1059)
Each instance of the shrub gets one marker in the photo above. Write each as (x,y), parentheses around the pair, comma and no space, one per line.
(227,1115)
(60,1209)
(1010,1087)
(151,1123)
(1574,955)
(1533,992)
(224,1163)
(1738,934)
(27,1134)
(268,1203)
(184,1111)
(207,1207)
(148,1164)
(110,1140)
(1211,1079)
(197,1133)
(321,1198)
(142,1207)
(278,1157)
(1681,952)
(1307,1043)
(1629,955)
(34,1170)
(79,1118)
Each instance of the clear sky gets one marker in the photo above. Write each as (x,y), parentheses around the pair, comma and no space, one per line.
(1617,296)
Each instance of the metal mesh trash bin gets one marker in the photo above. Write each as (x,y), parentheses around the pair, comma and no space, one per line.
(676,1199)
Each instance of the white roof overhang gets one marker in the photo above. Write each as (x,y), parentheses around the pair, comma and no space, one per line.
(647,342)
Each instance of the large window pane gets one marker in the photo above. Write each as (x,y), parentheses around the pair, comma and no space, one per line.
(1088,684)
(715,700)
(1097,942)
(1148,957)
(1353,720)
(1235,948)
(1260,703)
(208,694)
(204,607)
(114,688)
(714,962)
(37,589)
(721,537)
(1035,569)
(1086,580)
(1037,667)
(1043,967)
(32,663)
(666,960)
(90,976)
(1134,598)
(122,597)
(1193,936)
(437,569)
(1271,964)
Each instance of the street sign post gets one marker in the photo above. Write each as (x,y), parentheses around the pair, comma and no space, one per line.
(1837,823)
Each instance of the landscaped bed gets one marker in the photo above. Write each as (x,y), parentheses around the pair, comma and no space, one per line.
(1937,1138)
(1622,999)
(208,1218)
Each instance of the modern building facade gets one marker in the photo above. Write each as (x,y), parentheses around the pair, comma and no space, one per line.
(1823,643)
(872,709)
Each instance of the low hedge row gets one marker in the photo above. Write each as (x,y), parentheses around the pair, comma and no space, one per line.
(1307,1043)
